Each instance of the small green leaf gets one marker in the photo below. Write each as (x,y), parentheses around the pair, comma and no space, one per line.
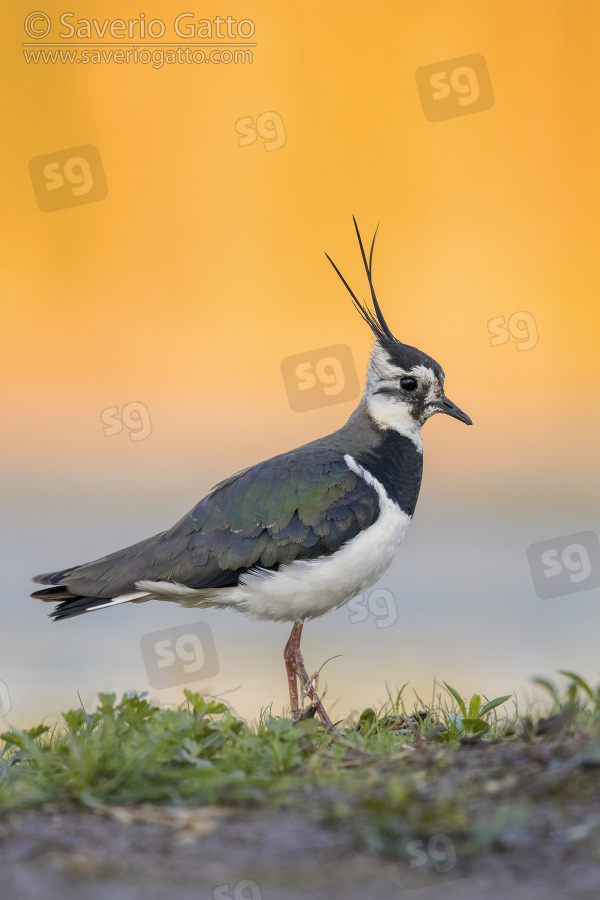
(474,706)
(493,704)
(547,686)
(36,731)
(107,701)
(580,683)
(475,726)
(368,718)
(74,719)
(14,737)
(458,698)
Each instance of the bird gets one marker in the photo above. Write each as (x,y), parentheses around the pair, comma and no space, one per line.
(297,535)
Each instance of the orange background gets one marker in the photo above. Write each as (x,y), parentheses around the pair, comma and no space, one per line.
(203,267)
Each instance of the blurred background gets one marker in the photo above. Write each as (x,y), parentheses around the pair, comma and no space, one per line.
(162,251)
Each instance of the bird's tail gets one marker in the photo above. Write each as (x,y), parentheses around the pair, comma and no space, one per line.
(72,604)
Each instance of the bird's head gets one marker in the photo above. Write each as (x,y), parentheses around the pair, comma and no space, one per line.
(405,386)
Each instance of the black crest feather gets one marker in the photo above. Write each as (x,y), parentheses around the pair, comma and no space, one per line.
(402,355)
(375,321)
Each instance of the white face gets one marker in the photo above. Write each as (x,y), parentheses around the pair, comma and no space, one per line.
(405,408)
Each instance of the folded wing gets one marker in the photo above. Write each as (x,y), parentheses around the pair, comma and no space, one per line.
(299,505)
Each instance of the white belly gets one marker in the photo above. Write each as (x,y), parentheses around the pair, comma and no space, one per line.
(309,588)
(305,589)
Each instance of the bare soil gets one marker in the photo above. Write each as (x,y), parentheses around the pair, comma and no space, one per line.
(211,853)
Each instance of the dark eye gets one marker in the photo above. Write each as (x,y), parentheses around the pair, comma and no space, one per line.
(409,384)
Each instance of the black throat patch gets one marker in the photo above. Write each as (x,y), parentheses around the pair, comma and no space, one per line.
(397,464)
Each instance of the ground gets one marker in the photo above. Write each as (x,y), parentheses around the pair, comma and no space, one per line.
(77,856)
(393,806)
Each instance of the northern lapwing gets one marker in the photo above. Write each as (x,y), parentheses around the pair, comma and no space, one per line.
(291,538)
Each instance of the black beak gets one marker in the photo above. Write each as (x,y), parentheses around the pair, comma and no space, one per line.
(447,406)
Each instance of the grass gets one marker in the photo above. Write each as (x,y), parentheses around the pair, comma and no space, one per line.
(455,764)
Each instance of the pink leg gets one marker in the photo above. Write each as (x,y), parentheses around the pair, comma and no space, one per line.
(294,664)
(289,656)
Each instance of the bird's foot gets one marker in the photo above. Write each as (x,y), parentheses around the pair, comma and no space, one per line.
(305,712)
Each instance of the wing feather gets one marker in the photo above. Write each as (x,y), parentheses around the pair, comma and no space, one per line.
(299,505)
